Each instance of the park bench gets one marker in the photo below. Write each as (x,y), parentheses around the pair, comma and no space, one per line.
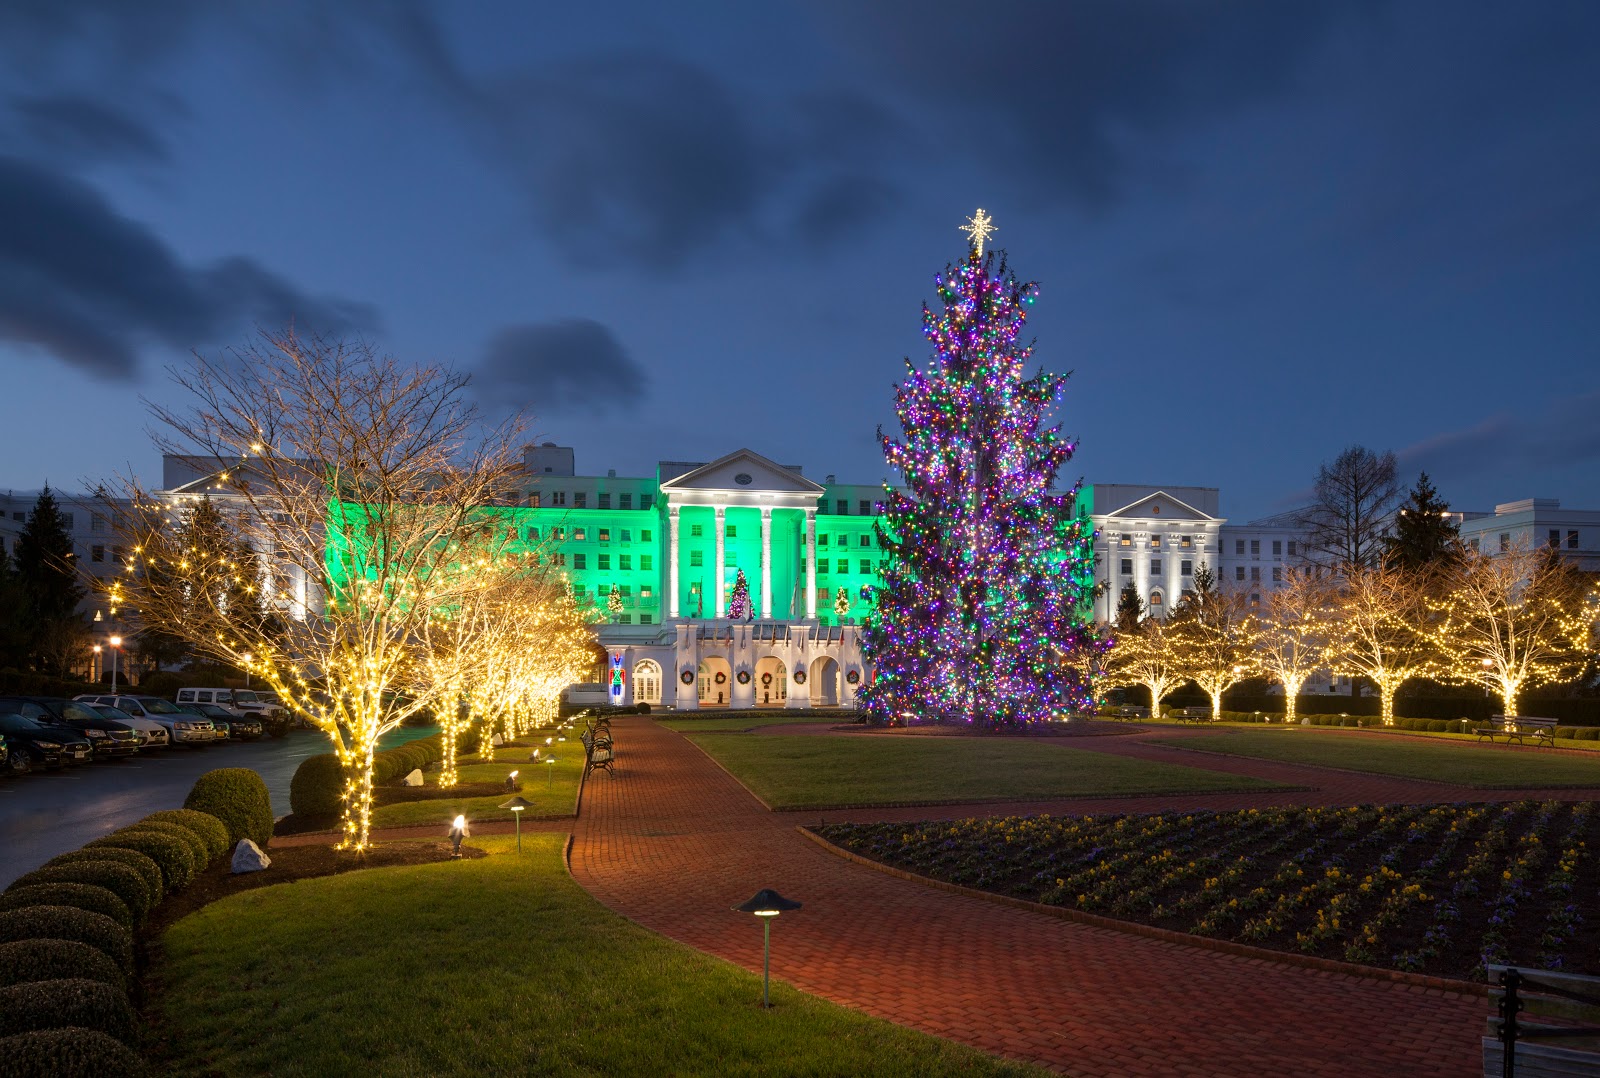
(597,749)
(1545,1025)
(1129,712)
(1517,728)
(1192,714)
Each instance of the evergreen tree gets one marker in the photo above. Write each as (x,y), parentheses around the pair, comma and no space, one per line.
(739,598)
(48,587)
(1425,534)
(982,616)
(1130,610)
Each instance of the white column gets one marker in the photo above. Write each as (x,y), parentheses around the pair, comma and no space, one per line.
(766,562)
(811,564)
(672,562)
(720,514)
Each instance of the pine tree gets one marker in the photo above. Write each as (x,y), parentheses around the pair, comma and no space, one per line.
(1425,534)
(47,582)
(1130,610)
(739,598)
(982,616)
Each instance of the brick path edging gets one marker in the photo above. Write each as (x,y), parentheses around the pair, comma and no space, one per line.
(1134,928)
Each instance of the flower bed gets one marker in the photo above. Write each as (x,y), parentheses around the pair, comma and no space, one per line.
(1437,889)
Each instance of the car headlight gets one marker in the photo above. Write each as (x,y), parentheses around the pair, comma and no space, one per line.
(49,746)
(95,733)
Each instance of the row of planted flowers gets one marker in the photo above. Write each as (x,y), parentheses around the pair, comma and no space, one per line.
(1439,889)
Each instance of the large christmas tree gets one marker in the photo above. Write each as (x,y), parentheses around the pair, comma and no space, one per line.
(983,615)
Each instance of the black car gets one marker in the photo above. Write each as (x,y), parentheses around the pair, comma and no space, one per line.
(111,739)
(239,727)
(33,741)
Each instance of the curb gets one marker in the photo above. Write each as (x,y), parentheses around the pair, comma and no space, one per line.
(1165,935)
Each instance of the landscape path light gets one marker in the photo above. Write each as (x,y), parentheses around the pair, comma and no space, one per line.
(517,806)
(549,772)
(458,831)
(766,904)
(511,784)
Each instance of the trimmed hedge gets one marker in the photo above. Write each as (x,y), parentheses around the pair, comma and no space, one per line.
(44,960)
(316,786)
(122,880)
(238,797)
(68,1053)
(199,852)
(83,896)
(71,1001)
(212,831)
(171,854)
(68,923)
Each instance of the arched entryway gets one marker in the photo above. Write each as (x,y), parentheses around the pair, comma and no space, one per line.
(772,682)
(647,682)
(824,682)
(716,682)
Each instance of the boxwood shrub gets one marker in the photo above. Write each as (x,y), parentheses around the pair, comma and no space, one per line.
(314,791)
(212,831)
(68,1053)
(147,869)
(199,852)
(74,1001)
(68,923)
(121,880)
(83,896)
(171,854)
(238,797)
(44,960)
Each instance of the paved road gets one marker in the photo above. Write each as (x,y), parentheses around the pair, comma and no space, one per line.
(46,813)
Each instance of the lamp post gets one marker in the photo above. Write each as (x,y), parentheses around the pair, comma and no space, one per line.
(97,664)
(458,831)
(517,805)
(116,646)
(766,904)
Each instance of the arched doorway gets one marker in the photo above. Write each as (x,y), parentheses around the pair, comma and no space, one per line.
(716,682)
(772,682)
(824,682)
(647,682)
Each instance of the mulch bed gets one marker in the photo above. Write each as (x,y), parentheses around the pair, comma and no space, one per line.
(290,863)
(394,795)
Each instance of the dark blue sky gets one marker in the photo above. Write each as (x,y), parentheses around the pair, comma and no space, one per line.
(1263,230)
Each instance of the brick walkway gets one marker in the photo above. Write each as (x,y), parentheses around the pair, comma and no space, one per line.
(672,842)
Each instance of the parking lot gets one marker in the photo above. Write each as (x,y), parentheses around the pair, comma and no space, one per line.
(49,812)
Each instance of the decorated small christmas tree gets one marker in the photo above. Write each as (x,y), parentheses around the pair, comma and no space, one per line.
(841,604)
(614,601)
(739,599)
(983,613)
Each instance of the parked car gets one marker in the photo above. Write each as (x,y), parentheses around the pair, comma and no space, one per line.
(240,727)
(152,735)
(36,741)
(111,739)
(183,727)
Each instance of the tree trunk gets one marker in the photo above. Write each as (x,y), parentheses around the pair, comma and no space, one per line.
(1216,705)
(447,761)
(1291,694)
(1508,699)
(1386,699)
(356,825)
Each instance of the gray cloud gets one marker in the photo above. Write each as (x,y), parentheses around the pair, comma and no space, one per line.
(76,127)
(574,362)
(91,287)
(1564,432)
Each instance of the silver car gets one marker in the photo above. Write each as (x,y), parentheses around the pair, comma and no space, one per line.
(152,735)
(183,727)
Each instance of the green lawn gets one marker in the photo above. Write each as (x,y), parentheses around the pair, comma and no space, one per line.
(865,769)
(551,787)
(722,723)
(1443,761)
(495,966)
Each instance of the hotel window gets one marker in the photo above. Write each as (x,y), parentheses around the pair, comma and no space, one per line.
(604,535)
(841,540)
(558,497)
(533,535)
(97,523)
(866,540)
(644,536)
(1277,573)
(558,559)
(1127,566)
(842,506)
(646,561)
(694,529)
(625,561)
(646,500)
(866,507)
(1126,540)
(1255,598)
(646,619)
(1238,546)
(733,531)
(1185,542)
(822,567)
(730,559)
(1277,548)
(579,560)
(696,557)
(1255,572)
(866,565)
(1155,542)
(116,554)
(625,501)
(1555,537)
(1255,547)
(1291,548)
(1187,568)
(605,561)
(822,596)
(822,540)
(603,500)
(580,500)
(1473,542)
(645,591)
(97,553)
(67,521)
(1155,566)
(1572,540)
(1238,572)
(844,565)
(625,589)
(627,535)
(533,501)
(579,534)
(558,535)
(1505,542)
(624,619)
(1155,599)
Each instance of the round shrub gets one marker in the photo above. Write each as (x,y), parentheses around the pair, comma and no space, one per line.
(314,791)
(172,854)
(212,831)
(68,1053)
(1438,726)
(642,709)
(1588,733)
(45,960)
(238,797)
(199,852)
(121,880)
(67,923)
(74,1001)
(147,869)
(83,896)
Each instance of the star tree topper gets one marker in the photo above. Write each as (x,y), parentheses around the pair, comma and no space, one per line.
(979,227)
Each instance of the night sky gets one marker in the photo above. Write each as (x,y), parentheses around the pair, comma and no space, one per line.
(1263,230)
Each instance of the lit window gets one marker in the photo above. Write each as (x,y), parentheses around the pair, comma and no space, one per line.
(1155,542)
(1126,540)
(604,535)
(558,535)
(578,534)
(645,591)
(1155,598)
(1185,542)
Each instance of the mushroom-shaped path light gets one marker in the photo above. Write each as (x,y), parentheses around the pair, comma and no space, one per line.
(517,806)
(767,904)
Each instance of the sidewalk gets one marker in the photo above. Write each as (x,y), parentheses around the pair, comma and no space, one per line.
(672,842)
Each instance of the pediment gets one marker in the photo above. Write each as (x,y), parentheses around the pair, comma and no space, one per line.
(1161,506)
(742,470)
